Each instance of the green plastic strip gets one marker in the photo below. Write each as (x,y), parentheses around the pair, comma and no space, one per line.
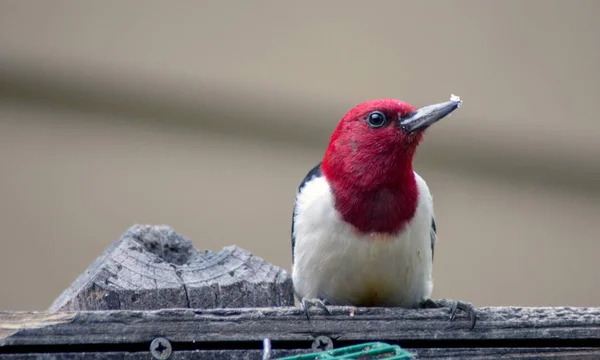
(367,351)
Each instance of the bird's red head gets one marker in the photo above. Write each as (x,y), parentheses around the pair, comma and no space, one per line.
(368,162)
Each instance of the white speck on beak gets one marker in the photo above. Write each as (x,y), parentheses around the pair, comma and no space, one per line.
(456,98)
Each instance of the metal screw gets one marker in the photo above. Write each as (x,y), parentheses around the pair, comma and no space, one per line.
(322,343)
(160,348)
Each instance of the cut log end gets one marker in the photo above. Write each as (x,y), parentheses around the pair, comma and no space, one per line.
(153,267)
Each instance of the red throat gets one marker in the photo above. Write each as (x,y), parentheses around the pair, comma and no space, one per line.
(384,208)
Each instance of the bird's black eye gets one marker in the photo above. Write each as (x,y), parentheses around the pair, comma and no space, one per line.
(376,119)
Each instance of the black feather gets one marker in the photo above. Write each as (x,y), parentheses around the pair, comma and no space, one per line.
(313,173)
(433,235)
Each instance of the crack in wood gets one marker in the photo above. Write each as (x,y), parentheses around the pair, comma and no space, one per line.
(185,290)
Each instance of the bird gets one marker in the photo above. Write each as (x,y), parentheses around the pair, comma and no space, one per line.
(363,226)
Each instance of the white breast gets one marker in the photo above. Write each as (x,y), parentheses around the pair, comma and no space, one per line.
(333,262)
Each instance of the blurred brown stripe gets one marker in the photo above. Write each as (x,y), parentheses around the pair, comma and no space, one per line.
(246,113)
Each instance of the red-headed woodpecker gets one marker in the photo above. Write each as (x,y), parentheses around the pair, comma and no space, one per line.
(363,228)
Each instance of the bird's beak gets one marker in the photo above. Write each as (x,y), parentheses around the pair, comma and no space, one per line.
(426,116)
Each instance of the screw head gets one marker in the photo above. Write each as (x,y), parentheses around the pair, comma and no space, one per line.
(160,348)
(322,343)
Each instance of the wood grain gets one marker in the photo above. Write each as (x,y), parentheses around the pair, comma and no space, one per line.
(501,333)
(153,267)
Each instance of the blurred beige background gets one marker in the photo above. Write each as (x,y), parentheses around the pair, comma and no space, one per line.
(205,115)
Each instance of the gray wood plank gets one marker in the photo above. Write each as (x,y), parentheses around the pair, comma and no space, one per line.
(508,353)
(438,354)
(289,324)
(180,355)
(153,267)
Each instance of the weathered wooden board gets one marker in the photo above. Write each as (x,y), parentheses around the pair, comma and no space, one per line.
(516,333)
(153,267)
(440,353)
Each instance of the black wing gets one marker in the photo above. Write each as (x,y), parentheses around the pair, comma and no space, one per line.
(433,235)
(313,173)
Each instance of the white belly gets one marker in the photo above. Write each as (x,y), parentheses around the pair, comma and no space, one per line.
(333,262)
